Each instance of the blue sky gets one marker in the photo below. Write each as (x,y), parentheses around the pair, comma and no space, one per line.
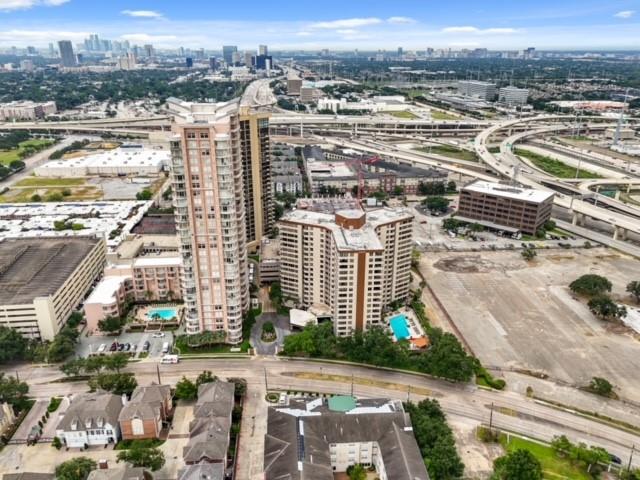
(335,24)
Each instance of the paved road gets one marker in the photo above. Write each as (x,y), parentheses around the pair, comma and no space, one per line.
(281,325)
(513,411)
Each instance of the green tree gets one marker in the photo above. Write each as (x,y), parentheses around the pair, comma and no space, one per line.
(61,348)
(451,224)
(145,194)
(590,285)
(549,225)
(602,306)
(601,386)
(117,383)
(75,469)
(561,445)
(186,389)
(13,391)
(55,197)
(436,204)
(142,456)
(446,358)
(634,289)
(357,472)
(398,190)
(517,465)
(12,345)
(529,254)
(73,368)
(16,165)
(110,324)
(205,377)
(116,361)
(36,198)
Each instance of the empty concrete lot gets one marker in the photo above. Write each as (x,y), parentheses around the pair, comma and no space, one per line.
(515,314)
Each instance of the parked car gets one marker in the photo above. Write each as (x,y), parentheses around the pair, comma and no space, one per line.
(127,347)
(113,347)
(158,335)
(146,346)
(102,347)
(120,347)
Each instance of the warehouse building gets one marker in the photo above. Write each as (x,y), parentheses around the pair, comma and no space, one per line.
(43,280)
(505,207)
(128,160)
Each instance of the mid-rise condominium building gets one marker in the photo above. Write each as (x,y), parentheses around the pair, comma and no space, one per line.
(477,89)
(505,207)
(68,58)
(348,263)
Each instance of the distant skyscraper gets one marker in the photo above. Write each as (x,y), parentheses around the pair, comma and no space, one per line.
(66,53)
(31,51)
(213,64)
(148,50)
(181,52)
(248,59)
(227,53)
(52,50)
(189,62)
(400,52)
(263,62)
(262,50)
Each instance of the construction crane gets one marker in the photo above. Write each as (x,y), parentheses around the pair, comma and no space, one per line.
(359,162)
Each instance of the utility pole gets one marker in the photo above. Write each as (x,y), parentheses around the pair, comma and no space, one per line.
(352,384)
(158,373)
(633,447)
(266,385)
(17,376)
(491,418)
(408,393)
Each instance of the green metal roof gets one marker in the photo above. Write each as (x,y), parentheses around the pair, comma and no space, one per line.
(342,403)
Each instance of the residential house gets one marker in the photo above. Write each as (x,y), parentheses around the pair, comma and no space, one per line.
(143,416)
(28,476)
(120,473)
(91,419)
(202,471)
(209,431)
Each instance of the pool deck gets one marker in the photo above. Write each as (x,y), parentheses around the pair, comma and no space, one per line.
(142,315)
(416,334)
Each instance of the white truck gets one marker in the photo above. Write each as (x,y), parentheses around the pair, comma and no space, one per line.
(170,359)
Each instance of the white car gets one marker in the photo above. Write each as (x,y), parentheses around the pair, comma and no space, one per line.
(158,335)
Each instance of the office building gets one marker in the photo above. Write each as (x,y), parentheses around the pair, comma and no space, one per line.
(189,62)
(316,438)
(26,110)
(213,64)
(263,50)
(148,50)
(505,207)
(294,85)
(67,57)
(127,62)
(43,280)
(346,262)
(264,62)
(227,53)
(26,65)
(249,59)
(477,89)
(513,95)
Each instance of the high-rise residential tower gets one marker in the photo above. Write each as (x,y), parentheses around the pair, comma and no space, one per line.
(346,263)
(227,53)
(219,171)
(210,216)
(66,53)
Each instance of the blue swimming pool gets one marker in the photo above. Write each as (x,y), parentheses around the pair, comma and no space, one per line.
(399,327)
(162,313)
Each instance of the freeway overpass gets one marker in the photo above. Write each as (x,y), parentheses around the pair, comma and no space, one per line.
(621,223)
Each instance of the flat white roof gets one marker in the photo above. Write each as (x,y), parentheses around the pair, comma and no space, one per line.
(119,157)
(105,291)
(157,261)
(508,191)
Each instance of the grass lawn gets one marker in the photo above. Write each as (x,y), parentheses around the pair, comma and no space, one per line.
(50,182)
(403,114)
(24,194)
(8,156)
(451,152)
(553,466)
(554,167)
(438,115)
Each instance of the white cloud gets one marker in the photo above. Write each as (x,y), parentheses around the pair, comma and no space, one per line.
(142,13)
(400,20)
(478,31)
(146,38)
(347,31)
(303,34)
(625,14)
(346,23)
(7,5)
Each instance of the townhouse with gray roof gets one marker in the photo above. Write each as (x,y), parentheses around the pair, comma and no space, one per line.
(91,419)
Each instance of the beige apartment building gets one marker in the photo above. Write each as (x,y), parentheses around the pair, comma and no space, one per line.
(348,263)
(42,280)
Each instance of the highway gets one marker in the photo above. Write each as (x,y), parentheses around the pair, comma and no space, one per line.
(511,411)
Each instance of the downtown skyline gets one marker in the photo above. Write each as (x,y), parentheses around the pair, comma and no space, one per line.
(567,25)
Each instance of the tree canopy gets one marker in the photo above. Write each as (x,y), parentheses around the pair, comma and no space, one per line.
(517,465)
(634,289)
(12,345)
(75,469)
(186,389)
(590,285)
(602,306)
(141,455)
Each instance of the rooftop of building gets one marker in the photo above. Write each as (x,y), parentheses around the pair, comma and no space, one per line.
(38,267)
(326,204)
(119,473)
(91,410)
(119,157)
(202,471)
(105,292)
(298,438)
(136,245)
(22,220)
(351,239)
(509,191)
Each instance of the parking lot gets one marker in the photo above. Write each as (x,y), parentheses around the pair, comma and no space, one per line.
(522,314)
(136,340)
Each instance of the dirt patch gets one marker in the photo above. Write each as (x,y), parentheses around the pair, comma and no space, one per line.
(476,264)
